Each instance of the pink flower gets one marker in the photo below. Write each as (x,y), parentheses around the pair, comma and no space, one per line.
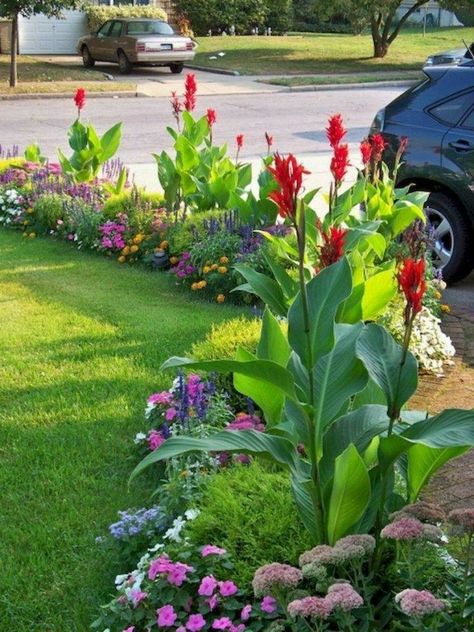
(164,398)
(221,624)
(137,596)
(213,602)
(246,612)
(161,565)
(275,576)
(170,414)
(195,622)
(310,607)
(418,603)
(130,629)
(403,529)
(343,596)
(211,549)
(155,439)
(166,616)
(178,574)
(238,628)
(268,604)
(207,586)
(227,588)
(463,519)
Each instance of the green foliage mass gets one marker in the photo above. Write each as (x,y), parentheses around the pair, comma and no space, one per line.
(249,511)
(97,15)
(48,209)
(214,14)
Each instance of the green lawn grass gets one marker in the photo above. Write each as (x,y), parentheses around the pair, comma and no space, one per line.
(325,52)
(322,80)
(81,341)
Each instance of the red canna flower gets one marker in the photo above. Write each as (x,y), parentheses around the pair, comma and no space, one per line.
(190,89)
(333,246)
(289,176)
(239,139)
(340,163)
(335,130)
(378,147)
(366,151)
(80,99)
(211,117)
(176,105)
(269,140)
(411,280)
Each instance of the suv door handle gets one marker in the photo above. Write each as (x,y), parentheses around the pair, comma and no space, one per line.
(462,145)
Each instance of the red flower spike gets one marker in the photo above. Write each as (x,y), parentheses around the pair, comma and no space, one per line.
(289,176)
(335,130)
(411,280)
(211,117)
(190,89)
(176,104)
(366,151)
(239,139)
(403,145)
(80,99)
(333,246)
(340,162)
(269,140)
(378,146)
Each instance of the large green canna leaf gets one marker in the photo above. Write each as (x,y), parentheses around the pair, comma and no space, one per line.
(263,371)
(265,288)
(273,344)
(450,429)
(110,142)
(338,375)
(382,357)
(325,292)
(423,462)
(273,447)
(304,503)
(350,494)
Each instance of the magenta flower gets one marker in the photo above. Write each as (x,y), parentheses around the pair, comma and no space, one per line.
(178,574)
(246,612)
(207,586)
(163,398)
(210,549)
(155,439)
(170,414)
(221,624)
(137,596)
(238,628)
(195,622)
(213,602)
(166,616)
(227,588)
(268,604)
(161,565)
(130,629)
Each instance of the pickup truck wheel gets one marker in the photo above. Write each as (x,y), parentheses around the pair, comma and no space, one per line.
(451,237)
(87,59)
(176,69)
(125,66)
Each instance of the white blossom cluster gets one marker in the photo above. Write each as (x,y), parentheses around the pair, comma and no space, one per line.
(431,347)
(11,206)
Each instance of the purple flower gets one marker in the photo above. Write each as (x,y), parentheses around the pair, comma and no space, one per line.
(170,414)
(210,549)
(207,586)
(195,622)
(166,616)
(137,596)
(246,612)
(221,624)
(268,604)
(228,588)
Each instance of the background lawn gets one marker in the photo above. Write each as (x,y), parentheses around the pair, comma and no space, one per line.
(81,341)
(325,52)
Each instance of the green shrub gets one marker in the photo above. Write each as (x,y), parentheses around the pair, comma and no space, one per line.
(48,209)
(249,511)
(224,339)
(279,15)
(214,14)
(183,234)
(97,15)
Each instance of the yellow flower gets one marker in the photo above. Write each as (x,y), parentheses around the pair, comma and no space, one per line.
(195,286)
(202,284)
(206,270)
(446,309)
(134,248)
(220,298)
(174,260)
(214,266)
(224,260)
(222,269)
(126,251)
(30,211)
(122,259)
(164,245)
(32,235)
(437,294)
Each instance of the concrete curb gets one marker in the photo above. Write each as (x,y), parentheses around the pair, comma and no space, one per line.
(346,86)
(214,71)
(68,95)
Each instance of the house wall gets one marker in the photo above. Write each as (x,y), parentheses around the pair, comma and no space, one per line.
(5,31)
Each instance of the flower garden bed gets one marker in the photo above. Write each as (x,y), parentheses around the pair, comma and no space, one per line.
(304,402)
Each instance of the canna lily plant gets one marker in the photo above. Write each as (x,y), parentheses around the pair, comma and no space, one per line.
(333,389)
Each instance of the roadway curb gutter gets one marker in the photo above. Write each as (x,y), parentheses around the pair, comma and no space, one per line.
(67,95)
(212,70)
(347,86)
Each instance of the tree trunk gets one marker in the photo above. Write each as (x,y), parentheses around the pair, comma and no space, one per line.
(380,47)
(14,52)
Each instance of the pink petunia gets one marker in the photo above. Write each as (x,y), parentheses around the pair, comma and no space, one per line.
(211,549)
(155,440)
(166,616)
(268,604)
(195,622)
(213,602)
(170,414)
(227,588)
(221,624)
(137,597)
(246,612)
(164,398)
(161,565)
(207,586)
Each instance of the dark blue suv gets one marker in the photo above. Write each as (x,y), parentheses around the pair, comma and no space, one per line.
(437,117)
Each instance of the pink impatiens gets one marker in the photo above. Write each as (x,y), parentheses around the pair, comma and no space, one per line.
(211,549)
(208,586)
(166,616)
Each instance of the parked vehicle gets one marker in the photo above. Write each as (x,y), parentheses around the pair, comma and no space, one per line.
(437,117)
(454,56)
(137,41)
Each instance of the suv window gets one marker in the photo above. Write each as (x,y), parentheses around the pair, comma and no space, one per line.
(116,30)
(104,29)
(451,110)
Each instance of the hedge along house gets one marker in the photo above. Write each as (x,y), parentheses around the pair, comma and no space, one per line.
(40,35)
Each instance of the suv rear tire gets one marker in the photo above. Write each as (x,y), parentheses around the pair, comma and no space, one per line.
(452,237)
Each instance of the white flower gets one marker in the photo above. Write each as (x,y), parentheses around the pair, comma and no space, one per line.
(139,437)
(120,581)
(157,547)
(192,514)
(174,532)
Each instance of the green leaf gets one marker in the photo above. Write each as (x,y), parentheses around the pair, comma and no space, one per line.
(404,214)
(302,495)
(423,462)
(110,142)
(378,292)
(273,344)
(382,357)
(287,283)
(187,158)
(245,175)
(451,428)
(350,493)
(325,292)
(275,448)
(264,371)
(265,288)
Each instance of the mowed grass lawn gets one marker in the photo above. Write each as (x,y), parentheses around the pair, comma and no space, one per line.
(81,342)
(325,52)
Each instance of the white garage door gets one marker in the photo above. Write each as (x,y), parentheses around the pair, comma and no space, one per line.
(42,35)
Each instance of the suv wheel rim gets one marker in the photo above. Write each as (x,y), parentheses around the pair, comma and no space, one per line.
(441,237)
